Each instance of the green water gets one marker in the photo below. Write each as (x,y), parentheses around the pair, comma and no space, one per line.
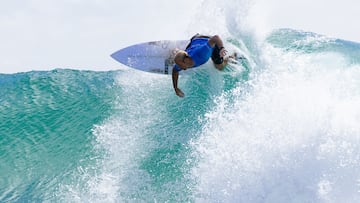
(46,128)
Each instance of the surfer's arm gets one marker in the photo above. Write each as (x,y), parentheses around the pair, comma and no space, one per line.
(175,76)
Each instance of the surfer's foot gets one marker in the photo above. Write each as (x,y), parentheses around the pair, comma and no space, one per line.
(235,58)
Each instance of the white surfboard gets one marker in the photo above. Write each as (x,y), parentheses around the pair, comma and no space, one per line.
(155,57)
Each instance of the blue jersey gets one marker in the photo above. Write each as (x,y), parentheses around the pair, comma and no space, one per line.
(199,50)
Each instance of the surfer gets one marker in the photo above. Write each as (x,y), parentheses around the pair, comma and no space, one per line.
(198,52)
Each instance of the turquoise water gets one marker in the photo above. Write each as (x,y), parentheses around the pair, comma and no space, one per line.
(46,128)
(282,126)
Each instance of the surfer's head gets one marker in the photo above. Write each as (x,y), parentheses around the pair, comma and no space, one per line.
(183,60)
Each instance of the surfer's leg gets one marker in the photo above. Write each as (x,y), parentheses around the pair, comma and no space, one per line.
(218,61)
(216,58)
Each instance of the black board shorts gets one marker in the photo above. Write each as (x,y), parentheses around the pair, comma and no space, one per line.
(216,56)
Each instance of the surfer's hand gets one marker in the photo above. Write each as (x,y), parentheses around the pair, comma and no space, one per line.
(179,92)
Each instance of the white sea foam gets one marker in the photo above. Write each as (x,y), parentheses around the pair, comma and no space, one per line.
(293,136)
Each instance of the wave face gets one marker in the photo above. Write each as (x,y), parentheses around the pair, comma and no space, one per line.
(282,126)
(46,129)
